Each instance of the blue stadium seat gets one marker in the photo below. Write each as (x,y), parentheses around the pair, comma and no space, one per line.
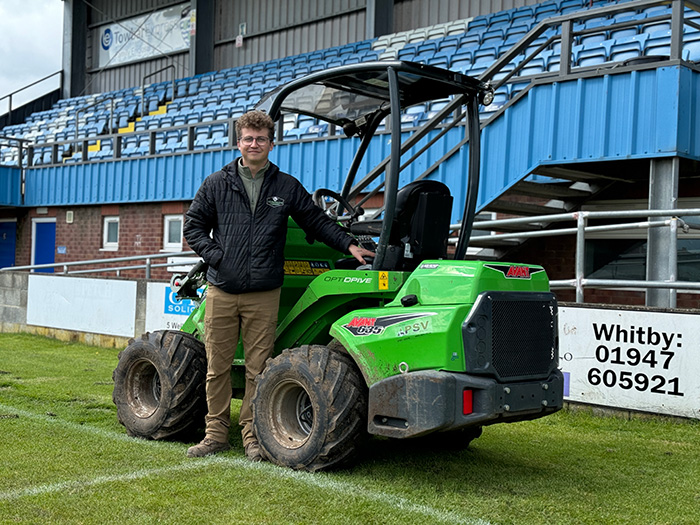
(522,15)
(104,152)
(461,62)
(492,36)
(407,53)
(478,23)
(439,60)
(500,19)
(181,88)
(206,115)
(469,40)
(314,131)
(449,45)
(535,66)
(658,44)
(485,55)
(626,32)
(518,30)
(569,6)
(544,11)
(653,27)
(600,35)
(627,48)
(293,134)
(691,46)
(130,146)
(592,54)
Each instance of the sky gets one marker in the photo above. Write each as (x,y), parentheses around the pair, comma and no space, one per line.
(31,36)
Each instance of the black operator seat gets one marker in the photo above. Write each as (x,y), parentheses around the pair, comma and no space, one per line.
(421,224)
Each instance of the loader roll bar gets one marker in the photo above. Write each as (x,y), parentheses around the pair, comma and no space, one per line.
(358,97)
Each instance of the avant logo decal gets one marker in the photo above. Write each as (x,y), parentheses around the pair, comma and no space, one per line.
(362,326)
(514,272)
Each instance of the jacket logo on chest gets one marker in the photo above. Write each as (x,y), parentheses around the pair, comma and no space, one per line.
(275,202)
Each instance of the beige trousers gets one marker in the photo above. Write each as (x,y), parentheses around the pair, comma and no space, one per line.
(254,315)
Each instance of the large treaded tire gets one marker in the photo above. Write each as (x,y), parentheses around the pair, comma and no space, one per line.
(159,385)
(310,409)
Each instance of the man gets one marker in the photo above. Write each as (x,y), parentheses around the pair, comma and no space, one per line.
(245,206)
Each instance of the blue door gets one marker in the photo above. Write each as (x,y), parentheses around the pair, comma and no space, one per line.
(44,244)
(8,235)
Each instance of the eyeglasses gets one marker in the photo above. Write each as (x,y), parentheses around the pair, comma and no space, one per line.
(262,141)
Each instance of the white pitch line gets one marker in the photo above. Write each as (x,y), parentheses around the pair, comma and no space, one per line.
(318,480)
(54,420)
(99,480)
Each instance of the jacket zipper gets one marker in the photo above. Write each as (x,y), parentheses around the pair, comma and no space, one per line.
(265,185)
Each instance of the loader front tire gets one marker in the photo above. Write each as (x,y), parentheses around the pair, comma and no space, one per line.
(310,409)
(159,385)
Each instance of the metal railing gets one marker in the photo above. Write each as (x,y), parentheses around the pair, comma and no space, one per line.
(22,146)
(149,75)
(672,219)
(569,32)
(148,265)
(9,95)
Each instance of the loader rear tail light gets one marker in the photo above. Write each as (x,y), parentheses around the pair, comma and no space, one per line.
(467,400)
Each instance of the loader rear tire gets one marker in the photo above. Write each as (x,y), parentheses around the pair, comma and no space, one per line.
(159,385)
(310,409)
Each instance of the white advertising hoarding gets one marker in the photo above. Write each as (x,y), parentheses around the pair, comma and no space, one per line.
(101,306)
(163,310)
(145,36)
(636,360)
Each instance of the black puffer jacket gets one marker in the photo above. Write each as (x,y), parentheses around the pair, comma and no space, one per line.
(246,252)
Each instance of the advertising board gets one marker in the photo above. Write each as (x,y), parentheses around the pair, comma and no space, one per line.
(631,359)
(161,32)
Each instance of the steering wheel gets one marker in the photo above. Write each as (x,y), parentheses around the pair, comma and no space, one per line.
(351,212)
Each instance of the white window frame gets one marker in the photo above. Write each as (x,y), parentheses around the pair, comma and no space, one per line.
(108,246)
(167,221)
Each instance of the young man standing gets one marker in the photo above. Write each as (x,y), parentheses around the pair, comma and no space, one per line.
(245,207)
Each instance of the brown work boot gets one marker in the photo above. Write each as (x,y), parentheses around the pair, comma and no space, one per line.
(207,447)
(253,453)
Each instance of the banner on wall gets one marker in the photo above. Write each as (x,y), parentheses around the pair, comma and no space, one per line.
(165,31)
(631,359)
(163,310)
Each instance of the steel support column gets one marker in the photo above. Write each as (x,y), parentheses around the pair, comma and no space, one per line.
(661,245)
(202,41)
(75,30)
(379,18)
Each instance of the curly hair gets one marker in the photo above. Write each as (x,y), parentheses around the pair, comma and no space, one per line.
(256,120)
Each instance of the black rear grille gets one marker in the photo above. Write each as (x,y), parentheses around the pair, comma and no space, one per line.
(512,335)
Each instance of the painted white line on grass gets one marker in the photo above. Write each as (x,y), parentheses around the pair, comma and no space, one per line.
(319,480)
(63,486)
(54,420)
(326,482)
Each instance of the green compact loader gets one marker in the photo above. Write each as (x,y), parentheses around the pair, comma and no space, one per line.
(413,343)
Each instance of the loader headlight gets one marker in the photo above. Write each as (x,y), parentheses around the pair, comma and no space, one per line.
(487,97)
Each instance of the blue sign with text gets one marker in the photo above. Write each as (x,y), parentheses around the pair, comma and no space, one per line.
(173,306)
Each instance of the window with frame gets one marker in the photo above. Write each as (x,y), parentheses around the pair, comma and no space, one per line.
(172,233)
(110,233)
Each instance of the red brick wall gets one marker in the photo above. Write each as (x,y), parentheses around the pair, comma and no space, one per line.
(140,233)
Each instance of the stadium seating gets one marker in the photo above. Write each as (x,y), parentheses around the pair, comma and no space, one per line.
(160,113)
